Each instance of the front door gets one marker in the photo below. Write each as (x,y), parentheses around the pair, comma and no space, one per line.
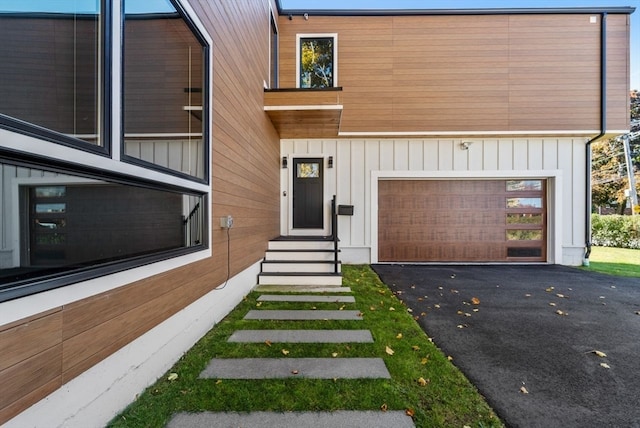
(308,193)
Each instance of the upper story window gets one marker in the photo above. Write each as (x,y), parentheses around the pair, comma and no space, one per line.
(164,81)
(51,72)
(317,56)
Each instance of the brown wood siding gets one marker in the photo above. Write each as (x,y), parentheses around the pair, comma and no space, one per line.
(452,221)
(470,73)
(245,170)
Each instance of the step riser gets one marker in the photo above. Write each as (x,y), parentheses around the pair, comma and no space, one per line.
(301,245)
(299,256)
(300,280)
(300,267)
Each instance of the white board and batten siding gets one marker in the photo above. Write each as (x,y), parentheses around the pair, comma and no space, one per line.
(360,163)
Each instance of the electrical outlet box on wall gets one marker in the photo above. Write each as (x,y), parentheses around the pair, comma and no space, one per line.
(226,222)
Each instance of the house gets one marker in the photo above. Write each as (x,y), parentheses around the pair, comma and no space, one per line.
(150,151)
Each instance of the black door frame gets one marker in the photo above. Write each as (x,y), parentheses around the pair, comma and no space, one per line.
(294,227)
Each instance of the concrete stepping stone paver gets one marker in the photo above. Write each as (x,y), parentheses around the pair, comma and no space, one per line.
(310,368)
(302,315)
(305,298)
(302,289)
(302,336)
(340,418)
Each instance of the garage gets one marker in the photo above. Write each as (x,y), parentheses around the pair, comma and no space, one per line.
(423,220)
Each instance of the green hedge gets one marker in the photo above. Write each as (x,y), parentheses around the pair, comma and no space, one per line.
(622,231)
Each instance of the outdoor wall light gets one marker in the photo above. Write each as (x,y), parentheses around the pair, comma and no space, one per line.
(465,145)
(284,162)
(330,164)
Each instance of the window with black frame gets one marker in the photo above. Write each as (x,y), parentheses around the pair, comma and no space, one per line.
(51,76)
(63,221)
(164,88)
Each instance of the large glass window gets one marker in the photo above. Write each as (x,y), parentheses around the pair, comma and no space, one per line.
(50,67)
(317,61)
(65,224)
(164,88)
(273,53)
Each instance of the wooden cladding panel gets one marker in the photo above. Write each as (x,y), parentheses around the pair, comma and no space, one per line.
(426,72)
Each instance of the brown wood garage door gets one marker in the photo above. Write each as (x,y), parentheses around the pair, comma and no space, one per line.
(462,220)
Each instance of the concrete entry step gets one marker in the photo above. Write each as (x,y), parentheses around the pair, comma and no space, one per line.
(306,298)
(307,368)
(302,336)
(340,418)
(301,315)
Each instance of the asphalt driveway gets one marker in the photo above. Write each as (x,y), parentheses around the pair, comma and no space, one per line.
(526,336)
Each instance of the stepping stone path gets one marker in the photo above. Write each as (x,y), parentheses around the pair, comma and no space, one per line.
(315,368)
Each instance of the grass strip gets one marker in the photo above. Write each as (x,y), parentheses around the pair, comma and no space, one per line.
(424,382)
(615,261)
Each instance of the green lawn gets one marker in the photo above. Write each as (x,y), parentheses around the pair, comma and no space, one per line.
(615,261)
(424,382)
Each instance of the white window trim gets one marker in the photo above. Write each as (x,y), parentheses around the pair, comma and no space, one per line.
(335,54)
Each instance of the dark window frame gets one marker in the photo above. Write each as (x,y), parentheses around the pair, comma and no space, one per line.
(104,101)
(29,286)
(206,108)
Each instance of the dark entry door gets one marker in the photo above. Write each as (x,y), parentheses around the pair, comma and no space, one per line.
(308,193)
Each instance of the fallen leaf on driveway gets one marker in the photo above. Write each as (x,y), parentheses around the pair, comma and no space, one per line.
(552,304)
(605,365)
(384,407)
(562,296)
(475,300)
(410,412)
(559,312)
(549,290)
(524,390)
(599,353)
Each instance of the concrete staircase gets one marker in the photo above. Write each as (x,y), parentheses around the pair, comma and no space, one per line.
(309,260)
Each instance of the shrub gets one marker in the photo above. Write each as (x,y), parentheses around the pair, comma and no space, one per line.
(620,231)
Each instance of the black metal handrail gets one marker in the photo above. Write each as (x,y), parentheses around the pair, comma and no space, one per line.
(334,232)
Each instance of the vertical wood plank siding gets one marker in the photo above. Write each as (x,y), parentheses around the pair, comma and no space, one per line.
(472,72)
(245,181)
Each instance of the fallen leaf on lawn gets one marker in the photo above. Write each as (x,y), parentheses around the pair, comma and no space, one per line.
(599,353)
(424,361)
(372,308)
(605,365)
(475,300)
(382,292)
(399,336)
(267,342)
(219,381)
(389,351)
(423,382)
(384,407)
(172,376)
(449,357)
(415,347)
(341,308)
(392,308)
(524,390)
(258,304)
(410,412)
(285,352)
(334,355)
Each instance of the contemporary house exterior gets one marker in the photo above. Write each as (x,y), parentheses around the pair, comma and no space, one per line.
(151,151)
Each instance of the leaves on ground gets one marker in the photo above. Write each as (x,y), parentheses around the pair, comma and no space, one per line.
(389,351)
(605,365)
(524,390)
(475,300)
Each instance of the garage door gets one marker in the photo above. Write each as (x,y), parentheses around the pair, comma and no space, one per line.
(462,220)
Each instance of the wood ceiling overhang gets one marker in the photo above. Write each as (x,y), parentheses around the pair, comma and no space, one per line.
(304,113)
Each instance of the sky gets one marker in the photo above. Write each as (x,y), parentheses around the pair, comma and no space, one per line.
(484,4)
